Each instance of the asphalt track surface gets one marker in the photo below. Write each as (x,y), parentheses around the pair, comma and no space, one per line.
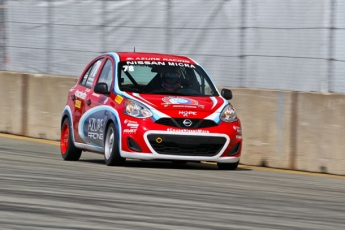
(38,190)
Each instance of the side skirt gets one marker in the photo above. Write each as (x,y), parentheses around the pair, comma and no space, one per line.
(92,148)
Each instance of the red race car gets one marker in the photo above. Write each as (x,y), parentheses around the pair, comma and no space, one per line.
(150,106)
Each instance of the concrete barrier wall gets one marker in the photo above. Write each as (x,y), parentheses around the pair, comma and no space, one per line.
(281,129)
(321,133)
(47,97)
(31,104)
(11,103)
(292,130)
(266,124)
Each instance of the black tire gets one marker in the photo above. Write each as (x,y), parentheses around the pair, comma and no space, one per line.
(112,155)
(227,166)
(68,151)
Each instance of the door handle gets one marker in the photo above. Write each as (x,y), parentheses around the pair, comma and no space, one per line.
(88,102)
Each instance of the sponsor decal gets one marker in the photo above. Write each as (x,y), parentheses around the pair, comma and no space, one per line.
(238,129)
(148,59)
(95,128)
(130,131)
(181,64)
(158,59)
(187,113)
(179,100)
(88,90)
(186,106)
(187,130)
(131,124)
(95,135)
(77,104)
(118,99)
(238,136)
(95,94)
(175,60)
(145,63)
(79,94)
(169,62)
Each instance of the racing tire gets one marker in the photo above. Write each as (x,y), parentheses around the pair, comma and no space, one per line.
(227,166)
(68,151)
(112,155)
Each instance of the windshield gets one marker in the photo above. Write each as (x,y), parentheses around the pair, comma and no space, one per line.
(164,78)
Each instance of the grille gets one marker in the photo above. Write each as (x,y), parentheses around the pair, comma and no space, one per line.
(186,145)
(178,122)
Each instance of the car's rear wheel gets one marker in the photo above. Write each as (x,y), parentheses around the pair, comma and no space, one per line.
(111,148)
(227,166)
(68,151)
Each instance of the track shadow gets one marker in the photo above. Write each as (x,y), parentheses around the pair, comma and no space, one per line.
(169,165)
(94,161)
(165,165)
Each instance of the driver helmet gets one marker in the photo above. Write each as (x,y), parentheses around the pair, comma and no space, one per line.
(171,80)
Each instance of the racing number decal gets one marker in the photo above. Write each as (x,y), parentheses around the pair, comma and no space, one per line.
(128,68)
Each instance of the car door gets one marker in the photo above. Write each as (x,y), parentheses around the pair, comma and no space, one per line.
(80,97)
(94,119)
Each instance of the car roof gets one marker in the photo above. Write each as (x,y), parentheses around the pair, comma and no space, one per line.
(135,56)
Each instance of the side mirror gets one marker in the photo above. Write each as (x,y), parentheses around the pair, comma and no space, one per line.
(227,94)
(101,88)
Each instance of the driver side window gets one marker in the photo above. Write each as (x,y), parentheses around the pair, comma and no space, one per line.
(106,75)
(90,74)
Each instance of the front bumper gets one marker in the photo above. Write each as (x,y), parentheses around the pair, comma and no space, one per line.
(218,144)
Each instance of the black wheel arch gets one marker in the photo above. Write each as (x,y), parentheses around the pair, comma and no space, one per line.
(64,116)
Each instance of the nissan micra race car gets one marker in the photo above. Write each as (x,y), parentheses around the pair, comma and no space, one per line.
(151,107)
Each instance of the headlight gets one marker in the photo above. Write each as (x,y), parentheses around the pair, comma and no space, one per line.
(228,114)
(136,109)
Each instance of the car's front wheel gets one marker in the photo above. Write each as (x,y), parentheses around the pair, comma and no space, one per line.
(227,166)
(68,151)
(111,148)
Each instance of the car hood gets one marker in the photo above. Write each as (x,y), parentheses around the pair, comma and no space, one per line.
(182,103)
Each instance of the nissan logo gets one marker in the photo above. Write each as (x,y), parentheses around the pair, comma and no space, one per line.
(187,122)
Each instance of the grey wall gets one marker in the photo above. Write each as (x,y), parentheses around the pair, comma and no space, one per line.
(281,129)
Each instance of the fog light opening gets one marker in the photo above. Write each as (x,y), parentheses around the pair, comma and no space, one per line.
(235,149)
(133,145)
